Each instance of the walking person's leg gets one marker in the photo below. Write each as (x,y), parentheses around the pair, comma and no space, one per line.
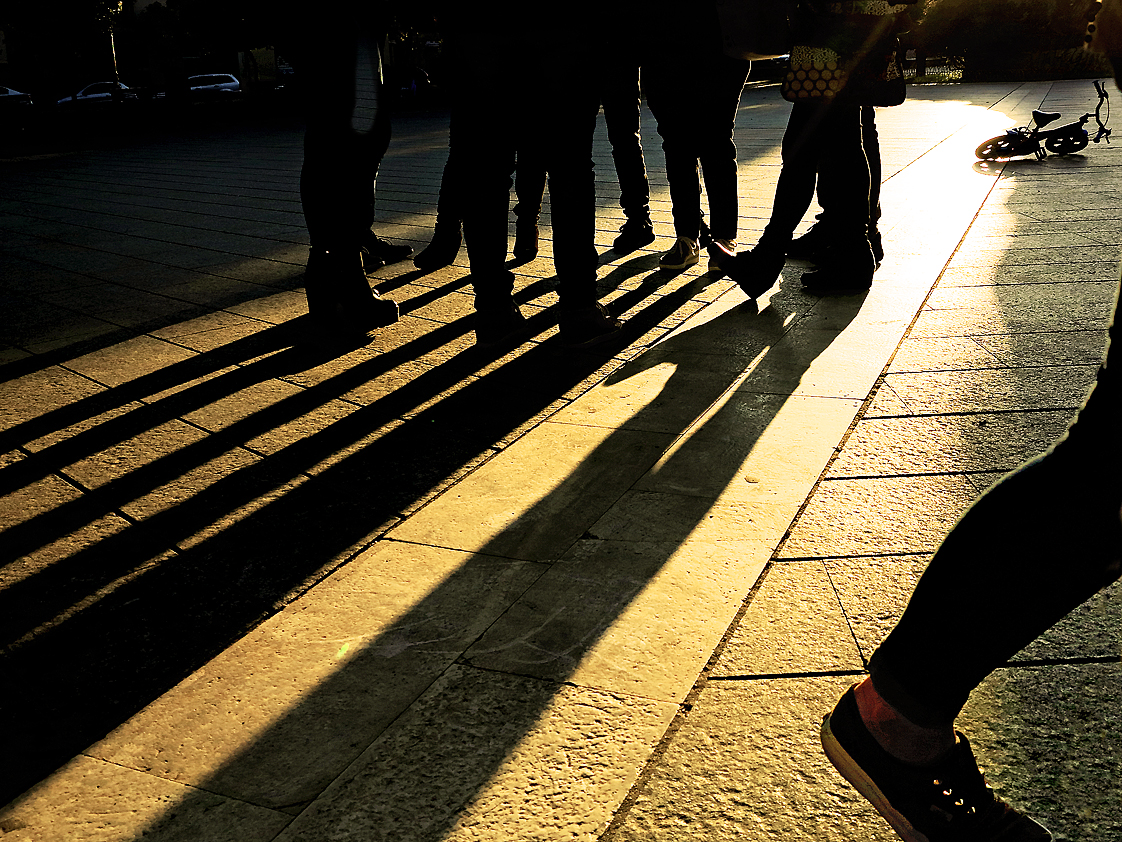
(1032,548)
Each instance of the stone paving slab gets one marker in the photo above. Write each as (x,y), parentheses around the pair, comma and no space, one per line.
(497,649)
(990,372)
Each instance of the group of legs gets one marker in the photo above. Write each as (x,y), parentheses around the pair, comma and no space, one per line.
(831,148)
(495,142)
(499,130)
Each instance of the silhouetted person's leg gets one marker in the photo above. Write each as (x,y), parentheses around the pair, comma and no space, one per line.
(618,82)
(347,134)
(718,104)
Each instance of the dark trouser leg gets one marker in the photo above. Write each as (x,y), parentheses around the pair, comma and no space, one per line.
(486,136)
(870,140)
(568,128)
(448,202)
(619,94)
(670,93)
(529,185)
(1035,546)
(795,189)
(843,172)
(348,132)
(716,117)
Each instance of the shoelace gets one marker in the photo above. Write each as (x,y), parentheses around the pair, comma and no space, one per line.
(969,803)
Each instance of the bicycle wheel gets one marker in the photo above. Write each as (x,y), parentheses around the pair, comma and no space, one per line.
(997,147)
(1066,144)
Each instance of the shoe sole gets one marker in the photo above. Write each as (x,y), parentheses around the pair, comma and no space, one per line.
(849,769)
(675,267)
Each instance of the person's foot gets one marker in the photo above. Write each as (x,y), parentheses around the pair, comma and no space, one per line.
(441,250)
(844,268)
(340,300)
(634,234)
(814,246)
(495,325)
(810,245)
(585,327)
(721,253)
(525,242)
(684,253)
(377,252)
(945,801)
(756,271)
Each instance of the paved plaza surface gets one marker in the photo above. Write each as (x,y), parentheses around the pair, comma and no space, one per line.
(260,587)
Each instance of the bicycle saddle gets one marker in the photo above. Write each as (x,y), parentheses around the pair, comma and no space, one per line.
(1043,118)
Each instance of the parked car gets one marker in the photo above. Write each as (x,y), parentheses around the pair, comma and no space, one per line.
(13,100)
(15,110)
(213,84)
(102,93)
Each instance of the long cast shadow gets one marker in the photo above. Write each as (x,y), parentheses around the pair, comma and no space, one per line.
(186,581)
(423,800)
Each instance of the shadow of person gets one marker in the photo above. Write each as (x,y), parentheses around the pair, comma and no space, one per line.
(435,695)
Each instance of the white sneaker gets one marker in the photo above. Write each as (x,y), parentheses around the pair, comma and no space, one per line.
(684,253)
(720,252)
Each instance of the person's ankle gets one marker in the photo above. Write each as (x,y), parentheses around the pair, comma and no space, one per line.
(904,740)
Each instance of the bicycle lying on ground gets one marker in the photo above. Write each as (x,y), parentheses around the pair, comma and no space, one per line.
(1063,140)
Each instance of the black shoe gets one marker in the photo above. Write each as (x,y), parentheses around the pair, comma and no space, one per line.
(634,234)
(340,299)
(705,237)
(441,250)
(721,254)
(377,252)
(525,242)
(756,271)
(947,801)
(495,325)
(810,245)
(844,269)
(815,244)
(588,326)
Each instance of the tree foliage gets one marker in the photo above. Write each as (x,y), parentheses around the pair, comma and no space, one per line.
(1004,26)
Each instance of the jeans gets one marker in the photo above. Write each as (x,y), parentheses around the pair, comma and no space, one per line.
(696,111)
(1037,544)
(823,146)
(348,130)
(618,83)
(536,100)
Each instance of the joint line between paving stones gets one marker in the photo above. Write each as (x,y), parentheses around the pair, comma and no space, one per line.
(773,675)
(684,710)
(1034,663)
(966,413)
(919,474)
